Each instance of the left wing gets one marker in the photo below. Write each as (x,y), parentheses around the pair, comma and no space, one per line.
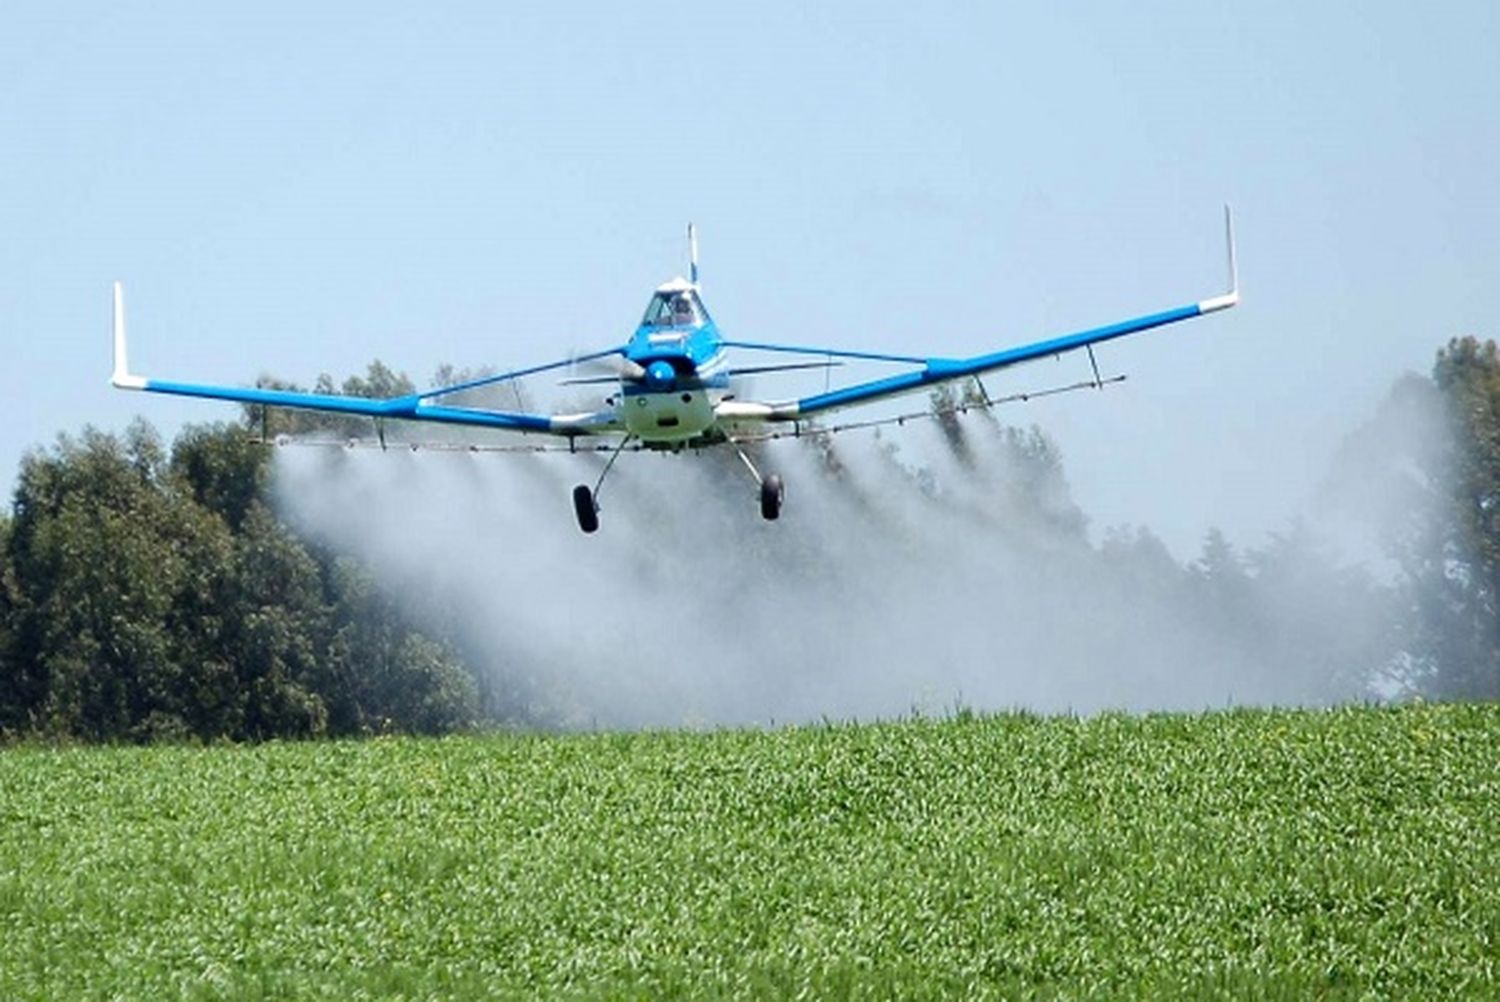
(412,407)
(940,370)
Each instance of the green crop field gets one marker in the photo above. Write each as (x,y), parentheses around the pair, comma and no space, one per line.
(1296,854)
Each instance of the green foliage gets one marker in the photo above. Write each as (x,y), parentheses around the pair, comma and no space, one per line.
(1467,375)
(147,599)
(1250,854)
(104,558)
(279,632)
(391,678)
(1425,473)
(12,684)
(223,467)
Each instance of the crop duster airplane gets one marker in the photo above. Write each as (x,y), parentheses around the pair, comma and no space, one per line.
(675,386)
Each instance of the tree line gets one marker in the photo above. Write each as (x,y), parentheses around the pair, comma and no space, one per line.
(149,592)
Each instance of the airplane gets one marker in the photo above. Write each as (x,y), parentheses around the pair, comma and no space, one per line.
(674,384)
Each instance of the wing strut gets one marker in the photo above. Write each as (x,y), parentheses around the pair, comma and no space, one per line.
(1098,385)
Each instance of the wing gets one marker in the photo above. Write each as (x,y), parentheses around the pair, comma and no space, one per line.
(413,407)
(939,370)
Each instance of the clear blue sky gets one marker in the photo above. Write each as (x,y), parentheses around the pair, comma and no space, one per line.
(299,188)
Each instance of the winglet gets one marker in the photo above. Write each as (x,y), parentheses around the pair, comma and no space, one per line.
(122,377)
(1232,297)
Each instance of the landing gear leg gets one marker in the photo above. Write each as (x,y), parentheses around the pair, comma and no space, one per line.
(585,501)
(772,490)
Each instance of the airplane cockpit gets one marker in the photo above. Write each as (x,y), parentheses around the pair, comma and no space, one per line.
(674,308)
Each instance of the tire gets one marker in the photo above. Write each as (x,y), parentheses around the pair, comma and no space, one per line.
(585,509)
(772,492)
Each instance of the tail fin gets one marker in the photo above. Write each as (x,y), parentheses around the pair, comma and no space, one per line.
(693,253)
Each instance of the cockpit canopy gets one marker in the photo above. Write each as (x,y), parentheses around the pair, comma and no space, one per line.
(675,307)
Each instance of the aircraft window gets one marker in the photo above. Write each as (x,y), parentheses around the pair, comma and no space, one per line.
(675,309)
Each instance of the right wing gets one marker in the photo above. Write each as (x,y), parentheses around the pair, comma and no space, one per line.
(941,370)
(412,407)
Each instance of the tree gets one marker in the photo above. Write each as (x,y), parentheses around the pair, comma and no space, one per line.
(144,598)
(11,695)
(387,675)
(110,571)
(277,629)
(1464,600)
(1424,473)
(1311,612)
(225,470)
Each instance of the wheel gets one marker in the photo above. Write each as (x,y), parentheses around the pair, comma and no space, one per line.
(585,509)
(772,491)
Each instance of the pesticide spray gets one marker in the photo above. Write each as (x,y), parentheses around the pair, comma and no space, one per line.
(916,571)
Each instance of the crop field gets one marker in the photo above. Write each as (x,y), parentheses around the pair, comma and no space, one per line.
(1291,854)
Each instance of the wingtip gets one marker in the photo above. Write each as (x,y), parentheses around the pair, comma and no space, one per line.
(1232,297)
(1218,303)
(121,376)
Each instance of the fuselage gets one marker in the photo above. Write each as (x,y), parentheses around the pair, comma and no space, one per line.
(683,369)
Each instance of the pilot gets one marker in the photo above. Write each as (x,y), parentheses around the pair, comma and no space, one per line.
(682,311)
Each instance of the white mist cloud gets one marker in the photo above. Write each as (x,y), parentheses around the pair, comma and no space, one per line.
(907,580)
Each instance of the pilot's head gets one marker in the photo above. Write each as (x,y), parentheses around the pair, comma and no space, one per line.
(681,307)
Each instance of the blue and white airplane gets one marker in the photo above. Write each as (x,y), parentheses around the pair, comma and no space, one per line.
(675,385)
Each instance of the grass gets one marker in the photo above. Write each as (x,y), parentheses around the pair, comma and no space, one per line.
(1289,854)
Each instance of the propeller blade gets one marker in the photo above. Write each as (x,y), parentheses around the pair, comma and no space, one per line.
(610,368)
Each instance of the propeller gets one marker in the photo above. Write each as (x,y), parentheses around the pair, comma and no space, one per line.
(610,369)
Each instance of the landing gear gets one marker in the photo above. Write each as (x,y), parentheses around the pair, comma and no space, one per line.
(772,491)
(585,508)
(585,501)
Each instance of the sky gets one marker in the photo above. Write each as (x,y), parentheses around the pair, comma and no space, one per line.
(296,189)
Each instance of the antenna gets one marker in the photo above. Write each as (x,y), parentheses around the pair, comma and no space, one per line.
(693,252)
